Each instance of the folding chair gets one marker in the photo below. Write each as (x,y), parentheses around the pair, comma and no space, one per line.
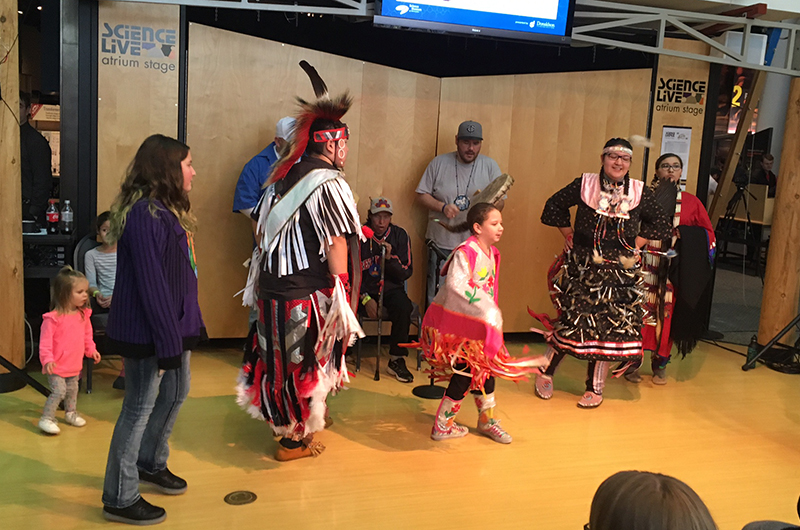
(87,243)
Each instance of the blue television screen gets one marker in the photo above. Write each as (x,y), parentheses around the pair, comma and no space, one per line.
(548,20)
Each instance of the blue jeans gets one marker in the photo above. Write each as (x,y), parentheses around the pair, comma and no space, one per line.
(434,266)
(149,411)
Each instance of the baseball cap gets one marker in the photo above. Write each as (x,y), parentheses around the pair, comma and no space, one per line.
(285,128)
(380,204)
(470,129)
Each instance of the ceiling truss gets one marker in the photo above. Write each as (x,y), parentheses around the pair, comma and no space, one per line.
(597,22)
(622,26)
(356,8)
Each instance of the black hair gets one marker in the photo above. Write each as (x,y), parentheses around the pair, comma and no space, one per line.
(25,98)
(478,214)
(624,143)
(318,148)
(618,141)
(102,218)
(665,156)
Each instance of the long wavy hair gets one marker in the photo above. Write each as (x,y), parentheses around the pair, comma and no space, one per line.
(155,174)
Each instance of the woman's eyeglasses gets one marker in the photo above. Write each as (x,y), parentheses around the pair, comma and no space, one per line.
(615,156)
(667,167)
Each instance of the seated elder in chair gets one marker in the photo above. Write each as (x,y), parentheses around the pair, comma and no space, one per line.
(397,271)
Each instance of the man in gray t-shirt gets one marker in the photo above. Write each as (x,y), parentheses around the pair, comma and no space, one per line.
(446,188)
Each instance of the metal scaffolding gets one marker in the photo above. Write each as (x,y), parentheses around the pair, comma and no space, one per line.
(633,27)
(355,8)
(597,22)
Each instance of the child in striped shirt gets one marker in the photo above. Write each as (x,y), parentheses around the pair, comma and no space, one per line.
(100,264)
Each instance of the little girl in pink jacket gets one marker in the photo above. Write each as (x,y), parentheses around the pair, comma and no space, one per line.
(65,339)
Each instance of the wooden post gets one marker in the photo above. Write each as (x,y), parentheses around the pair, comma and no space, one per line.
(782,280)
(717,207)
(12,344)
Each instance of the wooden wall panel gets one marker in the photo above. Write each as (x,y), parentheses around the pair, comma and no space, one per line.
(239,86)
(487,100)
(133,101)
(546,129)
(397,139)
(11,274)
(681,114)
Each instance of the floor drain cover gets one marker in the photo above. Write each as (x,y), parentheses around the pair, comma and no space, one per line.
(237,498)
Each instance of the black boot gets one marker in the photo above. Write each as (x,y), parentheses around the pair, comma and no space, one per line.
(165,481)
(140,513)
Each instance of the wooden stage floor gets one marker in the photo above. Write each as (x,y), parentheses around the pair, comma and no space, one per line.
(732,436)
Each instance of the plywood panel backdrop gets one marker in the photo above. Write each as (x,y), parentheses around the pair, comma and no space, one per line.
(137,85)
(682,107)
(239,86)
(544,130)
(11,273)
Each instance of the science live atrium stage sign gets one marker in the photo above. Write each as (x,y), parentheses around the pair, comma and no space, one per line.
(137,84)
(687,96)
(137,40)
(679,105)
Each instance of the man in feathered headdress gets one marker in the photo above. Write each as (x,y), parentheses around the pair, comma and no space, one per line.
(304,218)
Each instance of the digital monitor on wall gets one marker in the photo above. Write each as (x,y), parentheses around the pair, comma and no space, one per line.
(542,20)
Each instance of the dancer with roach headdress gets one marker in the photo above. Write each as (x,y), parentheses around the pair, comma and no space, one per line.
(299,281)
(595,284)
(679,312)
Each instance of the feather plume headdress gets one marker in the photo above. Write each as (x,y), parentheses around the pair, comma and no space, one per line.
(325,108)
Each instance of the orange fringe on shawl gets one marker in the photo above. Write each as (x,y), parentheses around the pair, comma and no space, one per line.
(443,351)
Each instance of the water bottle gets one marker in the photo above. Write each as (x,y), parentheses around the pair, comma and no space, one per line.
(67,218)
(52,217)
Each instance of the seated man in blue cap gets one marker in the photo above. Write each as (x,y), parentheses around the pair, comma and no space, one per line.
(397,270)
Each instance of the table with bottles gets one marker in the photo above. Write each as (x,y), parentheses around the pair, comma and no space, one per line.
(44,253)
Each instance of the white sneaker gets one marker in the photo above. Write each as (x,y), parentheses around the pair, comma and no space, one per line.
(493,430)
(455,431)
(73,419)
(49,426)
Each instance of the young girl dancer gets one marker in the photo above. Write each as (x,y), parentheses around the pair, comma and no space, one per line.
(462,331)
(100,264)
(66,337)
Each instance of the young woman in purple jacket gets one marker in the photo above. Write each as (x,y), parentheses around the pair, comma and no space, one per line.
(154,322)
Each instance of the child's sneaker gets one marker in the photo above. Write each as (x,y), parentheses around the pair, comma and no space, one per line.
(49,426)
(444,424)
(73,419)
(493,430)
